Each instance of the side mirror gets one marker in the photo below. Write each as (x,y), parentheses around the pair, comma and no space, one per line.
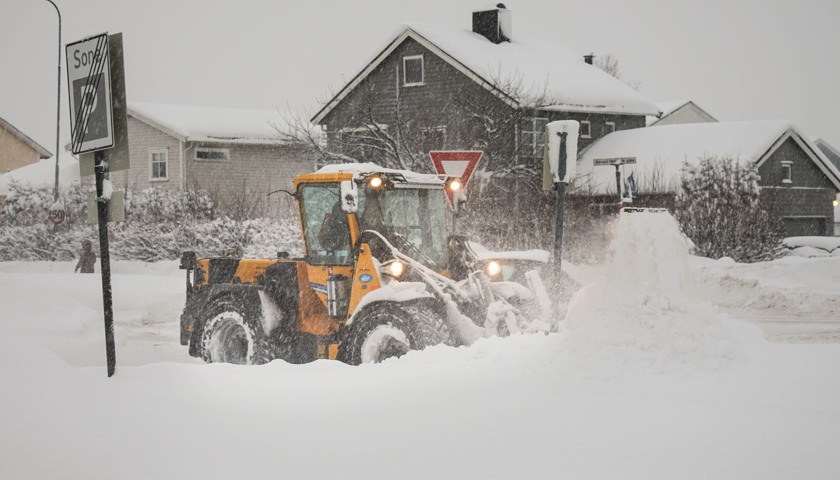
(349,196)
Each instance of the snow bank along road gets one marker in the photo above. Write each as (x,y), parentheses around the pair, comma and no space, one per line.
(650,377)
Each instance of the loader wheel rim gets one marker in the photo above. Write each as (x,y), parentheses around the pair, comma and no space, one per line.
(230,341)
(384,341)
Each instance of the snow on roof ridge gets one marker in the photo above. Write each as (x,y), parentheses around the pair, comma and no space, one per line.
(579,86)
(670,106)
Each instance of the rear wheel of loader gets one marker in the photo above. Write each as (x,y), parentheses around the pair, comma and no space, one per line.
(233,332)
(388,329)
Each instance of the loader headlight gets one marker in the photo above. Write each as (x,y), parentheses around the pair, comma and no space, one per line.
(454,184)
(375,182)
(493,268)
(395,268)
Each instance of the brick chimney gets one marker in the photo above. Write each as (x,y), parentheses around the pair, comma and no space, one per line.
(493,24)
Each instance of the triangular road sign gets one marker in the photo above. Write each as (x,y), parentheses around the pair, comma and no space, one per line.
(456,163)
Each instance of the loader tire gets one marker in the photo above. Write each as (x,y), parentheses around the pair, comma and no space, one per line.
(389,329)
(232,331)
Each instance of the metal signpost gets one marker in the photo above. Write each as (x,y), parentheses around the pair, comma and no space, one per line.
(617,163)
(92,130)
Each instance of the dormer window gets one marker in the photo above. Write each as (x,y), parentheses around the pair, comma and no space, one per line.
(787,171)
(413,70)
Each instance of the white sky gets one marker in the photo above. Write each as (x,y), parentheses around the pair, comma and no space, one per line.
(740,60)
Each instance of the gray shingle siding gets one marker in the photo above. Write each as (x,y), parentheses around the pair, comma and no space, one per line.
(440,101)
(805,202)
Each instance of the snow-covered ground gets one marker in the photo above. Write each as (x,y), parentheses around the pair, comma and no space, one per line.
(662,370)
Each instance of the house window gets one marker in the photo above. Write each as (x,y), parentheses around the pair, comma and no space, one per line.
(413,70)
(212,154)
(532,140)
(585,129)
(787,172)
(157,164)
(433,139)
(609,128)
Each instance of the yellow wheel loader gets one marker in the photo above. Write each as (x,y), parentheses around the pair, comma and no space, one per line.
(379,277)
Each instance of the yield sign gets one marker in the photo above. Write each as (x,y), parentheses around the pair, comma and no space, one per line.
(459,164)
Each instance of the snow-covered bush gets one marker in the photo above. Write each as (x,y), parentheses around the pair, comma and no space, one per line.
(812,247)
(159,225)
(720,208)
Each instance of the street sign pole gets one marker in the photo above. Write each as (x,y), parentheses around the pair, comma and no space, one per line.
(560,209)
(92,128)
(105,260)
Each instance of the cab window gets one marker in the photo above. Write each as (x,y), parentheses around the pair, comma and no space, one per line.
(326,233)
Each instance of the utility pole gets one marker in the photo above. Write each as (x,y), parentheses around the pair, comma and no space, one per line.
(57,104)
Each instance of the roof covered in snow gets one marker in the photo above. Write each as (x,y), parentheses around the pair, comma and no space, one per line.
(539,66)
(215,125)
(42,173)
(829,151)
(660,151)
(671,107)
(42,152)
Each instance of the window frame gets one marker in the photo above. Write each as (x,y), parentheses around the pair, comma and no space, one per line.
(422,81)
(588,133)
(610,127)
(787,171)
(152,153)
(531,152)
(225,151)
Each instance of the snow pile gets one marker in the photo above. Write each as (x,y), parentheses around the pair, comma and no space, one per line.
(638,317)
(810,247)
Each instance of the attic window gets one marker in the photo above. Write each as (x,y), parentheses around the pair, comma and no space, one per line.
(585,129)
(787,171)
(212,154)
(413,70)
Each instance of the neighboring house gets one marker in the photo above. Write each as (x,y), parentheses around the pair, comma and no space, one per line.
(17,149)
(803,181)
(41,174)
(678,112)
(233,153)
(434,88)
(829,151)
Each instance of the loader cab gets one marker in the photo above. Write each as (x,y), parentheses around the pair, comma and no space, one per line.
(412,216)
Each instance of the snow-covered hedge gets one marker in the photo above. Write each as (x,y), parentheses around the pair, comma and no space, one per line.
(811,247)
(159,225)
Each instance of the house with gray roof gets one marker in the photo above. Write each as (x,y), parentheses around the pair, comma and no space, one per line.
(488,88)
(233,153)
(801,180)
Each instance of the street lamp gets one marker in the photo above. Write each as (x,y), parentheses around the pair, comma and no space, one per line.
(57,103)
